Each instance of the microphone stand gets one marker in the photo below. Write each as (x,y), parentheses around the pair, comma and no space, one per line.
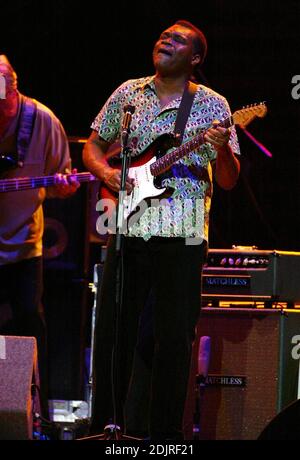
(199,394)
(125,157)
(112,431)
(203,364)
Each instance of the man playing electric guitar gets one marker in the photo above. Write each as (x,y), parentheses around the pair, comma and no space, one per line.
(160,250)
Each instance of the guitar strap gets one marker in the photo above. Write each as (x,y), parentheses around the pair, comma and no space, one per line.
(184,110)
(25,127)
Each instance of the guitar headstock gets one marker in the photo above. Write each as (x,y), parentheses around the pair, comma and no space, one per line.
(244,116)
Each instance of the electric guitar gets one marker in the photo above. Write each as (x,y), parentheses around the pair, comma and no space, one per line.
(147,168)
(26,183)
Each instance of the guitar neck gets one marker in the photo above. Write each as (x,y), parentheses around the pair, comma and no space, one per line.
(26,183)
(164,163)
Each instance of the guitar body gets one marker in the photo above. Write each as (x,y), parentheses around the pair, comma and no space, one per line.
(146,185)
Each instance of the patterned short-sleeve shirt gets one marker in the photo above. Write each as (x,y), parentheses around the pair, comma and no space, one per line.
(186,213)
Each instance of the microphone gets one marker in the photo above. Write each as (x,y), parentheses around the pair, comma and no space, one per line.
(128,112)
(203,358)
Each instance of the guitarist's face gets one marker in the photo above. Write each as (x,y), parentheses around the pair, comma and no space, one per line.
(173,53)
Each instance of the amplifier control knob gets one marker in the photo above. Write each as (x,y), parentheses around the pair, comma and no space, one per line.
(252,262)
(245,262)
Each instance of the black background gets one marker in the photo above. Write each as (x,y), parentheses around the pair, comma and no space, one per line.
(72,55)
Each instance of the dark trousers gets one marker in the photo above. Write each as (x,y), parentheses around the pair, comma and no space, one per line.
(21,286)
(172,271)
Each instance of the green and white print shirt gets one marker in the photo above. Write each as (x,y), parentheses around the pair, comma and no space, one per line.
(186,213)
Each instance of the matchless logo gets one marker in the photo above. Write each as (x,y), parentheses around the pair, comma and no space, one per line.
(226,381)
(225,281)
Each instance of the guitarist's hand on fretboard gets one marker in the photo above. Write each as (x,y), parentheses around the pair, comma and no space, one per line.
(66,184)
(218,137)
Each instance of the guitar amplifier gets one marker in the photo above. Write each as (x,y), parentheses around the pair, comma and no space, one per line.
(246,273)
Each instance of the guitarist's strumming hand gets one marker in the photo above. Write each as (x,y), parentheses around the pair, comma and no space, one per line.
(218,137)
(112,178)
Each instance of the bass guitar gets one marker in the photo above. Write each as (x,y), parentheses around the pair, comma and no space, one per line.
(27,183)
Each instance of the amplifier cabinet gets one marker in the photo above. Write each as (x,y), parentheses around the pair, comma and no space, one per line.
(253,371)
(253,274)
(18,371)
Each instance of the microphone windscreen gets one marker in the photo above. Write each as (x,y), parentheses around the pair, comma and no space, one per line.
(204,356)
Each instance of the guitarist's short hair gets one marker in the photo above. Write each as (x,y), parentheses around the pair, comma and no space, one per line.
(200,42)
(200,45)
